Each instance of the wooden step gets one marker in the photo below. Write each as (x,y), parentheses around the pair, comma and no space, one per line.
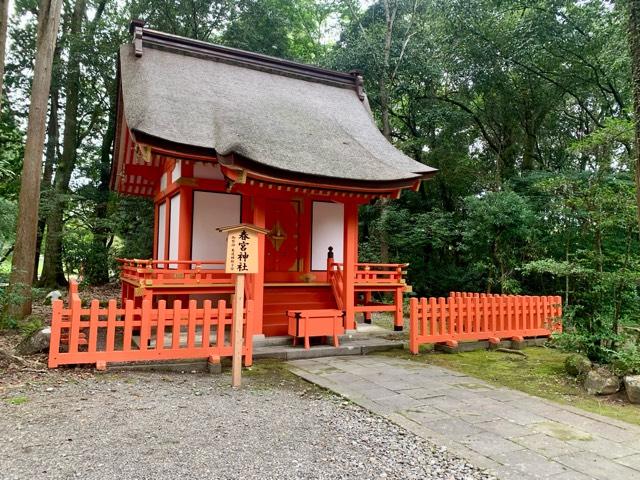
(279,299)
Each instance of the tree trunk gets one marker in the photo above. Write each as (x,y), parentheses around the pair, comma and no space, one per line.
(53,273)
(26,229)
(97,270)
(634,47)
(4,23)
(528,153)
(49,162)
(383,93)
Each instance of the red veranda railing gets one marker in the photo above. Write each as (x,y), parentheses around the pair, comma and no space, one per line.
(473,316)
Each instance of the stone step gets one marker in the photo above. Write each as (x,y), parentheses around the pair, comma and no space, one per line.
(354,347)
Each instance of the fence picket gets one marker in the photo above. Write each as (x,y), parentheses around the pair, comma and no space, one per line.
(422,321)
(445,319)
(74,333)
(467,313)
(111,326)
(437,322)
(160,329)
(93,325)
(191,325)
(415,318)
(128,325)
(176,324)
(206,323)
(54,343)
(222,313)
(145,324)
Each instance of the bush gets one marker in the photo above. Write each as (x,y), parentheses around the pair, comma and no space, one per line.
(577,365)
(11,297)
(626,361)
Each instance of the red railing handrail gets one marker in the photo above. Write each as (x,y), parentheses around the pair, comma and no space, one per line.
(151,263)
(336,279)
(383,265)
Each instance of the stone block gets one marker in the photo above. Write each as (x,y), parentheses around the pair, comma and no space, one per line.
(213,365)
(601,382)
(37,342)
(443,347)
(632,387)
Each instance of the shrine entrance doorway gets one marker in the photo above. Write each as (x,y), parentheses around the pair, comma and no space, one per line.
(283,260)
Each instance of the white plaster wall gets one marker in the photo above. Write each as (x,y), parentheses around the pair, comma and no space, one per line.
(176,173)
(174,227)
(162,224)
(327,230)
(212,210)
(163,182)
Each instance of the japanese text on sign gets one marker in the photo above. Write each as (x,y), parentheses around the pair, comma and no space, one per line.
(242,251)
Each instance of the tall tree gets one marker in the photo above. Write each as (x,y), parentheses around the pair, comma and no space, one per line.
(52,272)
(4,23)
(22,260)
(634,47)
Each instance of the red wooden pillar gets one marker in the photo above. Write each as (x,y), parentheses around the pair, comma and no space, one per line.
(259,205)
(156,207)
(186,223)
(186,213)
(349,262)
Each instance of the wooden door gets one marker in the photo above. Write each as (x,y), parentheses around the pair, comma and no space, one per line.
(282,245)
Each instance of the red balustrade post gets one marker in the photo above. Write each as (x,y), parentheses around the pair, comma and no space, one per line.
(398,320)
(414,345)
(54,341)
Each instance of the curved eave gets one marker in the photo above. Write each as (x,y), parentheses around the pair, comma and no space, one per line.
(263,172)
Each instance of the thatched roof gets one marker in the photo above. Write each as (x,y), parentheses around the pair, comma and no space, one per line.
(285,116)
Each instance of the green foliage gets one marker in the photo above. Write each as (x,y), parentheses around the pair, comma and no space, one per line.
(13,296)
(134,227)
(292,29)
(626,360)
(498,233)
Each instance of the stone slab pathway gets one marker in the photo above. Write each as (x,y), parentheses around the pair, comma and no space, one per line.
(510,433)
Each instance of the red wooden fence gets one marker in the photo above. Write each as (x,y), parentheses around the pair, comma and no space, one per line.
(473,316)
(100,335)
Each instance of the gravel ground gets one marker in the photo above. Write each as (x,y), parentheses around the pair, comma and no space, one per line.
(135,425)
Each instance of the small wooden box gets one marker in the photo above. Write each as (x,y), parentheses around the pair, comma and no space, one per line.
(315,323)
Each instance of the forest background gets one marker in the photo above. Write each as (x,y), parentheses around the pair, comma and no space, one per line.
(525,107)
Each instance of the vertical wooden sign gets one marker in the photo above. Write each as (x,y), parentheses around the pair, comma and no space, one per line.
(241,259)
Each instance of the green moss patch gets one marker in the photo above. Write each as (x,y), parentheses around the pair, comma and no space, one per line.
(18,400)
(562,432)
